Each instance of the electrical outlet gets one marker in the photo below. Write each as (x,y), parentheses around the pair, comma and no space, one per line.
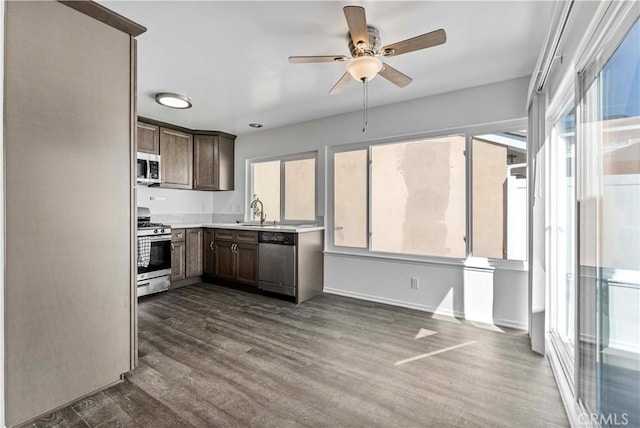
(415,283)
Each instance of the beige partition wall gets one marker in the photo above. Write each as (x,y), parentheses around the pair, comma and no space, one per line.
(68,205)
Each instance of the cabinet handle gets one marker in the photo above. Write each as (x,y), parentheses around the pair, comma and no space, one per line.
(211,245)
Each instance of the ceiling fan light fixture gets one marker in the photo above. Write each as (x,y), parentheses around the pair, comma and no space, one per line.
(364,67)
(172,100)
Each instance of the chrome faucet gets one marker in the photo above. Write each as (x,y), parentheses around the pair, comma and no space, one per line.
(254,204)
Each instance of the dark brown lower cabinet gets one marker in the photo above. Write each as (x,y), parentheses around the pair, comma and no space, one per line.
(247,264)
(186,253)
(193,252)
(209,253)
(236,256)
(178,271)
(225,260)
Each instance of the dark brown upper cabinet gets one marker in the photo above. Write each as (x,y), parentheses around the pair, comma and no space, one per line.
(176,151)
(201,160)
(213,157)
(148,138)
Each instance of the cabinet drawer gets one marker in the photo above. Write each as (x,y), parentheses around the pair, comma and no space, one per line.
(224,235)
(243,237)
(177,235)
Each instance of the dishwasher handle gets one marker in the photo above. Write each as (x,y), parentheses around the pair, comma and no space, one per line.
(277,238)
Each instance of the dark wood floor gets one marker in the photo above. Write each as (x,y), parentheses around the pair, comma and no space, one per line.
(216,357)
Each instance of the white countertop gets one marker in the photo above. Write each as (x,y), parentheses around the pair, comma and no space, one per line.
(239,226)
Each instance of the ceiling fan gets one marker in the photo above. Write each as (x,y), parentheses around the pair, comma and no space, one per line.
(365,63)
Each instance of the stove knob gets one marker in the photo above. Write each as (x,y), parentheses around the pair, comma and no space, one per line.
(155,231)
(162,231)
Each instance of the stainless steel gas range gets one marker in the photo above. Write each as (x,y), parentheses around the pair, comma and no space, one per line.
(153,254)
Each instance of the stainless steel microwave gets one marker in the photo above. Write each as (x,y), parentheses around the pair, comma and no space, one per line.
(148,168)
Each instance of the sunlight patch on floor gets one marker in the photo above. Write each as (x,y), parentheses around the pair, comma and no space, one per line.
(485,326)
(430,354)
(446,318)
(424,333)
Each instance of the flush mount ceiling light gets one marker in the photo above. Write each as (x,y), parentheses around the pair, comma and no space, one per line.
(255,125)
(169,99)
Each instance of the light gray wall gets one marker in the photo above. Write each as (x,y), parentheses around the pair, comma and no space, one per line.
(69,284)
(174,201)
(479,105)
(442,286)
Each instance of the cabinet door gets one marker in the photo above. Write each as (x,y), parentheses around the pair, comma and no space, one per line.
(225,162)
(209,251)
(225,260)
(193,252)
(176,151)
(177,261)
(205,162)
(148,138)
(247,264)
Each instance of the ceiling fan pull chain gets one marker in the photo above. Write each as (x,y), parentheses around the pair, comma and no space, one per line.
(365,100)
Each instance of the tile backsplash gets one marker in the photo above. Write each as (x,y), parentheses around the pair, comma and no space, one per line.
(197,218)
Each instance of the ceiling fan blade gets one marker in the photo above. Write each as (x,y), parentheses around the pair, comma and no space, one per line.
(342,83)
(357,22)
(424,41)
(394,76)
(321,58)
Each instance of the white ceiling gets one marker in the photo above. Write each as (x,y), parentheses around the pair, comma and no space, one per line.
(230,57)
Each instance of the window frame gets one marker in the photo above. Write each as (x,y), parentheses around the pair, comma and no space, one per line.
(283,159)
(468,260)
(470,137)
(563,100)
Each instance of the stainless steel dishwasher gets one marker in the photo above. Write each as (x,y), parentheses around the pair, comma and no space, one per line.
(277,262)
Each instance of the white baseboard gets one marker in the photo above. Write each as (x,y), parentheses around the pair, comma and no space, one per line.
(419,307)
(511,324)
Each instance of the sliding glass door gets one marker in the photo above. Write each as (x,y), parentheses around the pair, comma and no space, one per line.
(609,237)
(562,227)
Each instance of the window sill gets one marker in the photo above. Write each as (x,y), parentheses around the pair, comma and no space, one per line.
(470,263)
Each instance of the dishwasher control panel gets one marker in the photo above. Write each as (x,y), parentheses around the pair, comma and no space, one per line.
(278,238)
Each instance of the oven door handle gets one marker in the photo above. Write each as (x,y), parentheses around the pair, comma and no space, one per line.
(159,238)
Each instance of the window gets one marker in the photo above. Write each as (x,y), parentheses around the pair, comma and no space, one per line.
(286,187)
(499,195)
(417,203)
(300,189)
(350,196)
(608,192)
(266,187)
